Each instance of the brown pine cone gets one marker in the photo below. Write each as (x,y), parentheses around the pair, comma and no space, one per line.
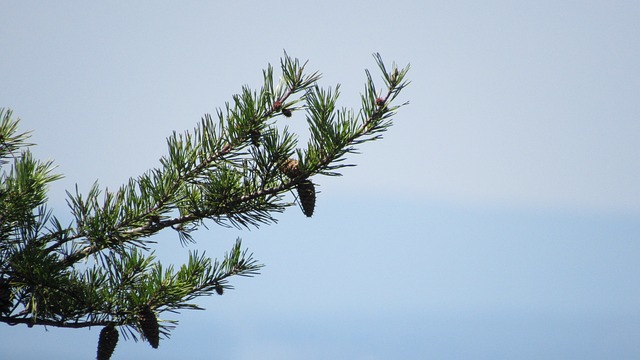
(149,326)
(307,196)
(5,296)
(290,168)
(107,342)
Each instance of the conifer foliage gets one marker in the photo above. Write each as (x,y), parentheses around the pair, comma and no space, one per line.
(236,168)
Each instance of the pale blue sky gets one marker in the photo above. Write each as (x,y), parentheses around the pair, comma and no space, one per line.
(499,218)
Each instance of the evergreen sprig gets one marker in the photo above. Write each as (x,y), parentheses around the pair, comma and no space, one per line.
(100,270)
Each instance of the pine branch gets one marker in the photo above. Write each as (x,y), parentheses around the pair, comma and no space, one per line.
(183,167)
(233,170)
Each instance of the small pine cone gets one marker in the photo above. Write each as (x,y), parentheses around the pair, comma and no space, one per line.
(290,168)
(254,135)
(219,289)
(154,219)
(5,296)
(286,112)
(277,105)
(107,342)
(380,102)
(307,196)
(149,326)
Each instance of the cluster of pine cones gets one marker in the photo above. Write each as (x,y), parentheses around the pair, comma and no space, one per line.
(109,334)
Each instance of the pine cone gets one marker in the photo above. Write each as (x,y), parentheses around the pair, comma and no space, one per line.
(290,168)
(307,196)
(219,289)
(5,296)
(149,326)
(254,135)
(107,342)
(286,112)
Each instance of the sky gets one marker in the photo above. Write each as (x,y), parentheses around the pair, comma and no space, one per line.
(499,218)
